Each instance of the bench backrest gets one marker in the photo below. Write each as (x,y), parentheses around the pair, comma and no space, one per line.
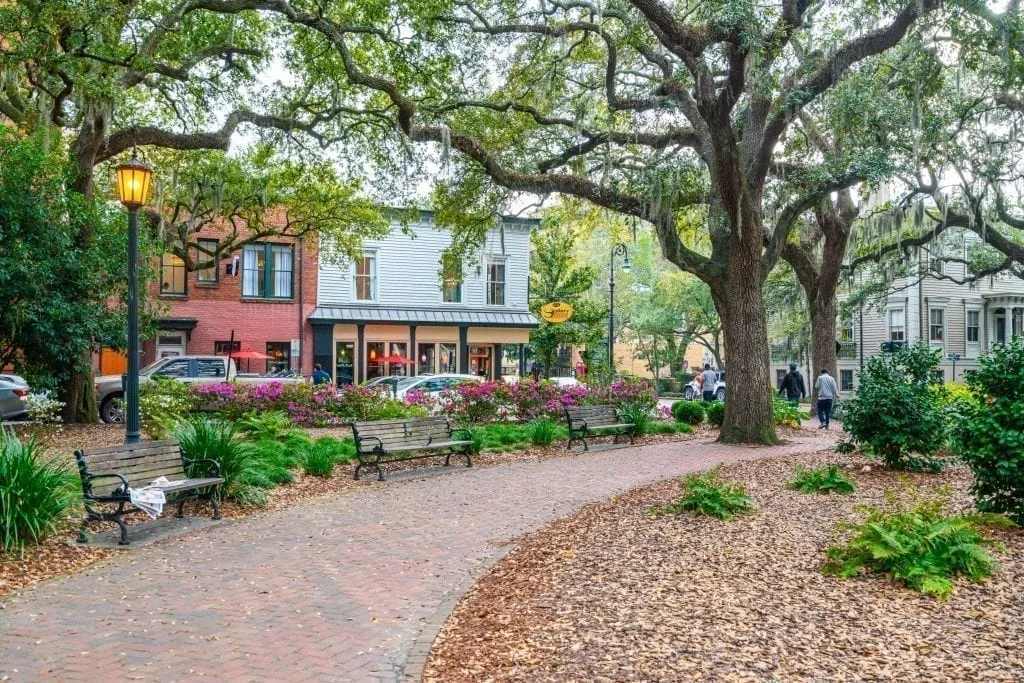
(139,463)
(594,416)
(402,433)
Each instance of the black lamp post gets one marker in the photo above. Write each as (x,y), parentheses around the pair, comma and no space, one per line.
(618,249)
(133,178)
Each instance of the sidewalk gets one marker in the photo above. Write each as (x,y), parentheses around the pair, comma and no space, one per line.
(352,587)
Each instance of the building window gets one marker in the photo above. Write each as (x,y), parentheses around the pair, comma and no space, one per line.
(267,270)
(935,324)
(366,278)
(451,287)
(208,251)
(220,348)
(939,376)
(780,374)
(897,330)
(846,330)
(496,283)
(846,380)
(172,274)
(973,327)
(374,359)
(447,358)
(280,356)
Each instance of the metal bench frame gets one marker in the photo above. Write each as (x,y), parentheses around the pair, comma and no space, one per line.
(580,427)
(372,451)
(206,488)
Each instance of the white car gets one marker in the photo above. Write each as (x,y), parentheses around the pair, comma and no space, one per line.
(433,384)
(692,391)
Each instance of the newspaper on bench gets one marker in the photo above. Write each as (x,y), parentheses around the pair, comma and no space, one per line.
(151,499)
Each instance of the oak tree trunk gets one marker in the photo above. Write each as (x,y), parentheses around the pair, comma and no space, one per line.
(823,309)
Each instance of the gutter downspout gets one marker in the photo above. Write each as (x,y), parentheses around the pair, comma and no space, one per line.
(302,307)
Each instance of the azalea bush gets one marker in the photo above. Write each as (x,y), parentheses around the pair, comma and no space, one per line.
(162,403)
(474,401)
(43,408)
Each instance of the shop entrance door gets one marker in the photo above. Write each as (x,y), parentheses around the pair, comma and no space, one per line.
(344,363)
(480,360)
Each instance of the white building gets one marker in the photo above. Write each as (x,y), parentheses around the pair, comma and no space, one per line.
(963,321)
(376,315)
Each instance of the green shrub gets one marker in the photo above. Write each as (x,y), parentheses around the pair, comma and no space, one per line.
(319,459)
(704,494)
(664,427)
(210,438)
(249,495)
(785,413)
(638,414)
(993,437)
(690,412)
(959,407)
(162,403)
(715,412)
(821,480)
(895,414)
(543,431)
(274,425)
(916,545)
(35,492)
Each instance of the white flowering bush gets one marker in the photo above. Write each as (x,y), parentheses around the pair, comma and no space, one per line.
(43,408)
(162,403)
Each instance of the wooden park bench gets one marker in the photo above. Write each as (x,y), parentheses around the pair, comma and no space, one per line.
(385,441)
(109,472)
(587,421)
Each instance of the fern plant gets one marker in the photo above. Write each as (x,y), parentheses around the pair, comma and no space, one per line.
(821,480)
(704,494)
(916,545)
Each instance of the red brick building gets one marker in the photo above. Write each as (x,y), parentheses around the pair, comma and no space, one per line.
(263,293)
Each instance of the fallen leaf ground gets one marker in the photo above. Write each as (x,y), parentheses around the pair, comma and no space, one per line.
(614,593)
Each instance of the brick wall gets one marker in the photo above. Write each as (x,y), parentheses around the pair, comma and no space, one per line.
(220,308)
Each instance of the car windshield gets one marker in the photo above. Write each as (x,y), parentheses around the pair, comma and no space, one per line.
(408,382)
(148,370)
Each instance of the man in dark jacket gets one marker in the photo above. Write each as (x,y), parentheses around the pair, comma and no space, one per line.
(793,385)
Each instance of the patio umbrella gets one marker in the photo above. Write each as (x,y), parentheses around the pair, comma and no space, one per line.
(395,358)
(248,354)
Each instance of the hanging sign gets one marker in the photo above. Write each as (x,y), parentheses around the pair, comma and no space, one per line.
(556,312)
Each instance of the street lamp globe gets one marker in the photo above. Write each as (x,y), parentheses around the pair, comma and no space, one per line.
(625,264)
(133,178)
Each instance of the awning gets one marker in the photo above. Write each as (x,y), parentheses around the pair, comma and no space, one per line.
(188,324)
(340,315)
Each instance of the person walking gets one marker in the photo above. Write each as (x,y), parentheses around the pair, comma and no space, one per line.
(707,383)
(827,391)
(319,376)
(792,386)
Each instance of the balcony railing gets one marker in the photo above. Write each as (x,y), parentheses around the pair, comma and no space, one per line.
(781,353)
(846,350)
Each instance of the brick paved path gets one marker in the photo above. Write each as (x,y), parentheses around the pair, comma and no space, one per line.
(346,588)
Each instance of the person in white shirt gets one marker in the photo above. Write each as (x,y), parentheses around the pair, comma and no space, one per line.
(707,383)
(827,391)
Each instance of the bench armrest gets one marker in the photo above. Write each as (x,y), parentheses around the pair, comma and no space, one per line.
(214,470)
(361,439)
(468,432)
(113,475)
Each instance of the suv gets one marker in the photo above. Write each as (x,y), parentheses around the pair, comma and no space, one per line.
(692,391)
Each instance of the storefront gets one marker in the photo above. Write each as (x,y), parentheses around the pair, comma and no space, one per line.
(357,344)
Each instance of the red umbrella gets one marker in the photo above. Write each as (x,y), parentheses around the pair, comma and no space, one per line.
(250,354)
(395,358)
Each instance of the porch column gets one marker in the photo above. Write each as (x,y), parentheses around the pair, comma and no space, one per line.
(413,355)
(464,349)
(498,356)
(360,361)
(522,360)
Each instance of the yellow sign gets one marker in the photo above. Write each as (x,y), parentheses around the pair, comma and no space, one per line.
(556,312)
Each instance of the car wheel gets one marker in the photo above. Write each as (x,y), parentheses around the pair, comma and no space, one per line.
(112,410)
(720,394)
(688,393)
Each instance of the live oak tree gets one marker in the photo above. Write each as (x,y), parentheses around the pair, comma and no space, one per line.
(645,107)
(181,75)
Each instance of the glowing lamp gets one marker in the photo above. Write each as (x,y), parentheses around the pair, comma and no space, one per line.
(133,179)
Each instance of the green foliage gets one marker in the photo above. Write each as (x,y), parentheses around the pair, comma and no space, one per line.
(274,425)
(785,413)
(959,407)
(664,427)
(543,431)
(213,439)
(639,415)
(895,414)
(704,494)
(35,492)
(821,480)
(993,438)
(915,544)
(715,412)
(320,458)
(690,412)
(163,401)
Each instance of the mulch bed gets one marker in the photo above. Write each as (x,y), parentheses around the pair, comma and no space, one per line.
(57,555)
(616,593)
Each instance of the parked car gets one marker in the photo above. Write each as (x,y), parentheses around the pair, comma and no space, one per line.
(12,399)
(692,391)
(188,369)
(433,384)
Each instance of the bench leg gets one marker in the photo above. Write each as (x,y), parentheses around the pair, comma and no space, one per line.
(82,536)
(359,466)
(380,472)
(216,506)
(181,509)
(124,530)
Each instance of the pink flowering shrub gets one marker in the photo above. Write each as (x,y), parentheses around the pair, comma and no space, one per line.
(474,401)
(631,391)
(421,399)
